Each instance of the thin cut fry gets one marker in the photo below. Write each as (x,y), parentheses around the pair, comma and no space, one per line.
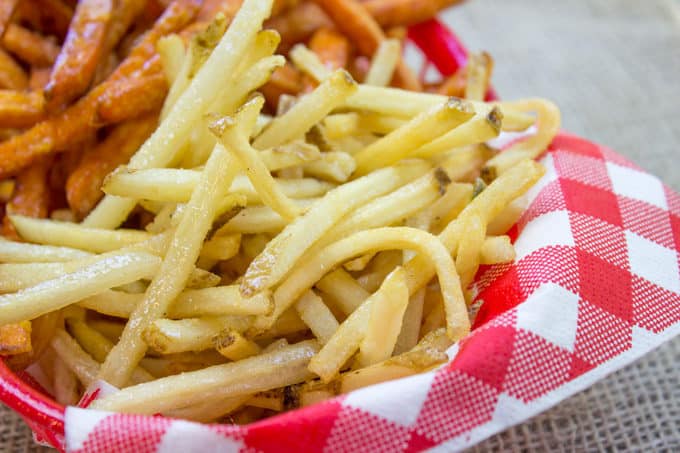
(384,321)
(343,290)
(29,46)
(384,62)
(283,251)
(77,360)
(265,371)
(497,249)
(317,316)
(193,334)
(469,249)
(478,71)
(234,346)
(17,252)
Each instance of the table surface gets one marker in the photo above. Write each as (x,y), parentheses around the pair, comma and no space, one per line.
(612,66)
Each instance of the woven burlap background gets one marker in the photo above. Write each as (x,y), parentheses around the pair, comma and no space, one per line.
(613,67)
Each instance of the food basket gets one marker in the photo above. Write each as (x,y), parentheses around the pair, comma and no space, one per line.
(595,285)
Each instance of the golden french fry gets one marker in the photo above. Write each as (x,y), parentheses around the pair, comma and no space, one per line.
(385,61)
(317,316)
(496,250)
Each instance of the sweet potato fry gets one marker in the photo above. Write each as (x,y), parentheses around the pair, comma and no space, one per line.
(354,20)
(83,186)
(59,132)
(39,78)
(15,338)
(31,195)
(29,46)
(210,9)
(20,108)
(7,9)
(389,13)
(12,76)
(79,56)
(50,17)
(285,80)
(298,24)
(333,50)
(132,98)
(281,6)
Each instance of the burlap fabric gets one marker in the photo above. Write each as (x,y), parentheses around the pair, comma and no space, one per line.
(612,66)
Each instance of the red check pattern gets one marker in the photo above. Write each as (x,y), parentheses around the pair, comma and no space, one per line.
(596,285)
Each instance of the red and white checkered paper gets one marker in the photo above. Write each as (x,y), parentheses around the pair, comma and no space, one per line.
(596,284)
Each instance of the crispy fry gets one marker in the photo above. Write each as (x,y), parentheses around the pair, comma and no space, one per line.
(80,54)
(29,46)
(132,98)
(7,9)
(20,109)
(390,13)
(83,185)
(12,75)
(15,338)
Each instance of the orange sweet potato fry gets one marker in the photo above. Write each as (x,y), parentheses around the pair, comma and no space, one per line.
(12,76)
(7,8)
(20,108)
(59,132)
(298,24)
(284,80)
(39,78)
(81,53)
(83,185)
(132,98)
(15,338)
(332,48)
(30,47)
(50,17)
(354,20)
(31,195)
(389,13)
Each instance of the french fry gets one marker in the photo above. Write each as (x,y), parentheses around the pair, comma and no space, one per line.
(113,270)
(65,384)
(234,137)
(384,63)
(260,219)
(193,334)
(73,235)
(132,99)
(379,124)
(272,400)
(266,371)
(17,252)
(304,276)
(284,250)
(317,316)
(485,125)
(332,48)
(390,13)
(84,183)
(469,249)
(548,124)
(285,80)
(410,327)
(6,11)
(215,301)
(162,146)
(403,365)
(343,290)
(31,195)
(334,166)
(508,217)
(455,84)
(354,20)
(30,47)
(73,356)
(12,75)
(171,49)
(20,109)
(38,78)
(403,141)
(80,54)
(290,155)
(176,266)
(98,346)
(384,320)
(234,346)
(308,111)
(496,250)
(341,125)
(478,73)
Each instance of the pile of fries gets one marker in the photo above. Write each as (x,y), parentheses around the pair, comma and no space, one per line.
(296,225)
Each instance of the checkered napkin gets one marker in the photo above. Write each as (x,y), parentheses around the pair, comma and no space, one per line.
(596,284)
